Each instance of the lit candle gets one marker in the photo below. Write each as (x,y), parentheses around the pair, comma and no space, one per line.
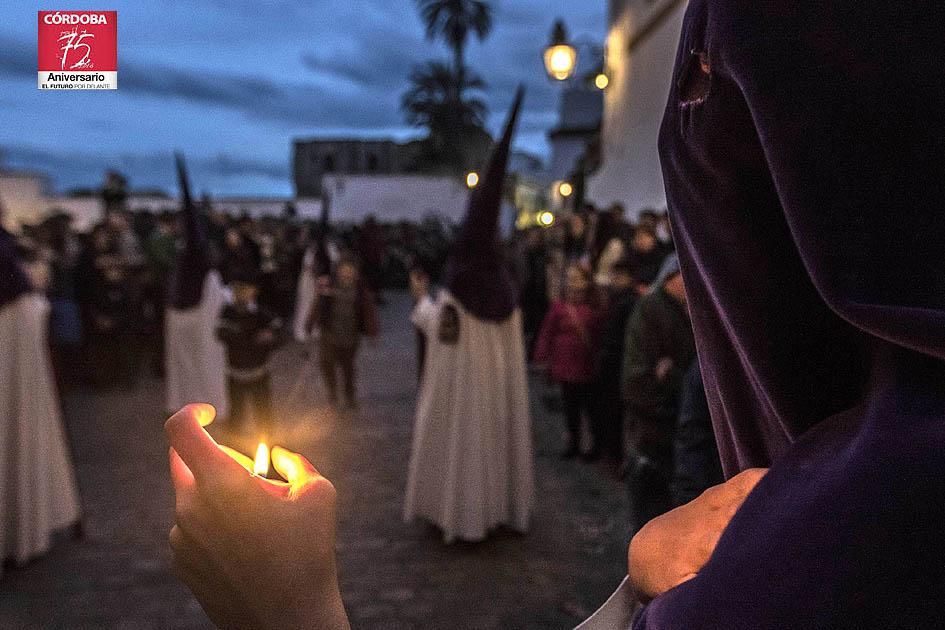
(261,463)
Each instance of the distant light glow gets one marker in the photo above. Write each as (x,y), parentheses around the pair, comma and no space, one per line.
(261,463)
(601,81)
(565,189)
(560,61)
(472,179)
(546,219)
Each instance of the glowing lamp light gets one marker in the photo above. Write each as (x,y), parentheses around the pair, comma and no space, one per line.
(601,81)
(546,219)
(560,56)
(261,463)
(565,189)
(560,61)
(472,180)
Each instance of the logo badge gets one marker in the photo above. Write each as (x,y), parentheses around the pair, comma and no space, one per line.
(78,50)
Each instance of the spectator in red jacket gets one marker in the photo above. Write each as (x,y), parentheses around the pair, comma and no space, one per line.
(567,344)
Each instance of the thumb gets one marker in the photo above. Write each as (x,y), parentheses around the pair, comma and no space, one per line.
(296,469)
(181,476)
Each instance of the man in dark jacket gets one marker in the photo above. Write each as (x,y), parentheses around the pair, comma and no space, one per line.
(608,409)
(659,350)
(345,309)
(696,466)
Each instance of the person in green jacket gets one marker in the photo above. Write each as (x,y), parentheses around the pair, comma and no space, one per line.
(659,350)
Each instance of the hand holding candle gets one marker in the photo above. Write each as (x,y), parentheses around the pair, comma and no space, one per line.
(256,553)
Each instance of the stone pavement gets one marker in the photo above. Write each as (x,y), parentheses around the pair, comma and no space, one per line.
(394,575)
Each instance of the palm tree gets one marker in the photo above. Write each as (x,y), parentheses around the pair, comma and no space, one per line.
(455,124)
(431,100)
(454,21)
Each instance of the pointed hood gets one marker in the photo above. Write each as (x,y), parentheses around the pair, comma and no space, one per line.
(193,261)
(477,275)
(13,279)
(322,257)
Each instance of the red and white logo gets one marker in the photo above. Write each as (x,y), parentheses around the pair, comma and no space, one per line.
(78,50)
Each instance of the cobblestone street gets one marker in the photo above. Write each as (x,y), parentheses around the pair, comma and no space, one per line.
(394,575)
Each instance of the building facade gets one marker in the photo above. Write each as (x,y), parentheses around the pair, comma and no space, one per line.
(641,48)
(313,159)
(393,198)
(579,118)
(23,197)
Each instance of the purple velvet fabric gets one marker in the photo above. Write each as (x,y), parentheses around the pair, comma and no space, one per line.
(804,162)
(477,274)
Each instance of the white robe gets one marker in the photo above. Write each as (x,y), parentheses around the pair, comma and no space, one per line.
(195,358)
(38,492)
(305,297)
(616,613)
(471,461)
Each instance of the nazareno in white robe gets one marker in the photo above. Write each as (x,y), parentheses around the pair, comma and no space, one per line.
(195,358)
(471,461)
(38,492)
(305,297)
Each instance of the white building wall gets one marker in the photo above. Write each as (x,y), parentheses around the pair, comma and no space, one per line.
(392,198)
(22,198)
(634,103)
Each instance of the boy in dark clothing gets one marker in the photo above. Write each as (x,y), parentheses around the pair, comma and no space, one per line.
(344,309)
(110,312)
(250,335)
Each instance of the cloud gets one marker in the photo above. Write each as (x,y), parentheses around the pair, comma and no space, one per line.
(257,97)
(147,169)
(332,67)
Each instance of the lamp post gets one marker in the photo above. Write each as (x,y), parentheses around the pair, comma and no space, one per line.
(561,56)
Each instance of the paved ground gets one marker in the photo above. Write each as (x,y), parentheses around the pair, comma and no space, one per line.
(393,575)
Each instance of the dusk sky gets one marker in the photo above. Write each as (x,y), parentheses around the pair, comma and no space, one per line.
(232,82)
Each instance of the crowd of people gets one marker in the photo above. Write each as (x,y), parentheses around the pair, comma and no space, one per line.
(108,287)
(203,300)
(813,265)
(605,314)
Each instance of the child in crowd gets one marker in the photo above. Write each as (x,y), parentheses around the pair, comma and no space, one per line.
(568,345)
(111,318)
(345,309)
(250,334)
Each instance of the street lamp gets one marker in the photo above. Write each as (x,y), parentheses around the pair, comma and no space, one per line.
(565,189)
(560,56)
(472,179)
(601,81)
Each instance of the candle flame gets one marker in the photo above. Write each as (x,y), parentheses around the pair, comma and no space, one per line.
(261,464)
